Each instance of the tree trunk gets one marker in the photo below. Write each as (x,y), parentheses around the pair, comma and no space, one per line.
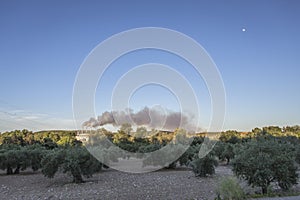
(77,178)
(9,170)
(228,161)
(17,170)
(264,189)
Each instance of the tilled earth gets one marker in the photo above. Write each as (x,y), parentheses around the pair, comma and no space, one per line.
(111,184)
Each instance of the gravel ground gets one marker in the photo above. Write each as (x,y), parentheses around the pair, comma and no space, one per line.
(111,184)
(280,198)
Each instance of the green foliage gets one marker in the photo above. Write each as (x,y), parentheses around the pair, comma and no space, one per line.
(297,154)
(36,153)
(14,158)
(228,152)
(78,161)
(170,152)
(237,137)
(219,149)
(258,157)
(197,140)
(224,151)
(204,166)
(149,148)
(266,160)
(190,154)
(106,155)
(229,189)
(9,158)
(74,160)
(49,143)
(272,130)
(230,136)
(120,137)
(167,157)
(162,137)
(52,161)
(26,137)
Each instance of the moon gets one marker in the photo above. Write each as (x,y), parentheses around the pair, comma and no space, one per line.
(244,29)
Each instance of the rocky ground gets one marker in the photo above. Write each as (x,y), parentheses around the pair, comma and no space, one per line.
(111,184)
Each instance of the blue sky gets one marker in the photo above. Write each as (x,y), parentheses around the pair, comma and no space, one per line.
(43,43)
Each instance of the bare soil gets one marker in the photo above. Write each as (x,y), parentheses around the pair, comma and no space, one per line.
(179,183)
(111,184)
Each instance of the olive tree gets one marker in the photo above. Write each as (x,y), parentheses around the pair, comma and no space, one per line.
(76,161)
(14,158)
(264,161)
(166,157)
(204,166)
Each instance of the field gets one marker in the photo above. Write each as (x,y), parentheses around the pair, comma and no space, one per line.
(110,184)
(259,155)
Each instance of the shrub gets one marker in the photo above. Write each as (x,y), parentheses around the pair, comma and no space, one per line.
(229,189)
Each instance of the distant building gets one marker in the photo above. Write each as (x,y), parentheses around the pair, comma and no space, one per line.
(82,136)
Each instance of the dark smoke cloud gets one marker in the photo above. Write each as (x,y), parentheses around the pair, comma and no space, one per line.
(149,117)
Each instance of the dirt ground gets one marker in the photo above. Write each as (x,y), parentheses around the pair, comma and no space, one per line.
(110,184)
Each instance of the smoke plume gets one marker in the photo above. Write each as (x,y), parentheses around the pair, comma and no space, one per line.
(155,117)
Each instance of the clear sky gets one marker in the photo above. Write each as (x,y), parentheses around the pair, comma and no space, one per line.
(255,45)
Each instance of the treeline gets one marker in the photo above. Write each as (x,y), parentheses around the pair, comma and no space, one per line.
(26,137)
(126,135)
(276,131)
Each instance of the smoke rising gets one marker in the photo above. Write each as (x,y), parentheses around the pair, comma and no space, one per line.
(155,117)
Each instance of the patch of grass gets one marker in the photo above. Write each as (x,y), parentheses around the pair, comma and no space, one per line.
(230,189)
